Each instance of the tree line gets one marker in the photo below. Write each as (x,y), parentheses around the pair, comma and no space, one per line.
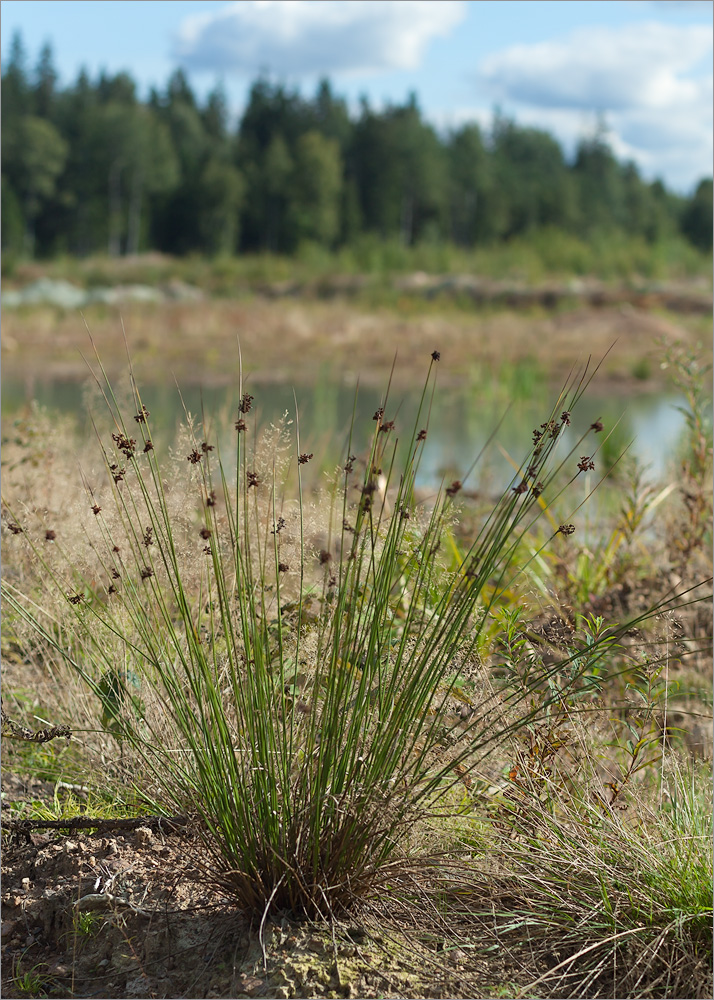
(92,168)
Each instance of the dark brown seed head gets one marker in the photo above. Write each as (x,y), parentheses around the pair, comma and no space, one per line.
(566,529)
(586,464)
(421,436)
(378,413)
(240,425)
(148,537)
(325,557)
(194,458)
(388,425)
(597,426)
(147,572)
(126,445)
(14,528)
(521,488)
(206,447)
(76,599)
(305,458)
(245,403)
(283,567)
(436,355)
(253,479)
(349,466)
(565,417)
(452,490)
(142,415)
(205,533)
(50,535)
(96,509)
(211,499)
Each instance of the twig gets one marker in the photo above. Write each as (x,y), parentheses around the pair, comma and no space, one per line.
(34,735)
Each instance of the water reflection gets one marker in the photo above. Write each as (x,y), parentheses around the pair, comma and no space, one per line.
(460,425)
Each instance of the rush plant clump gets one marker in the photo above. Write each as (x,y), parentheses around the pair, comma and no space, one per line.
(300,697)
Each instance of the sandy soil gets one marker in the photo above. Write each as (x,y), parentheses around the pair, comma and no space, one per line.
(128,915)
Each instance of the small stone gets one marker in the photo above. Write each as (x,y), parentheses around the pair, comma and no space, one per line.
(7,929)
(250,985)
(143,835)
(25,881)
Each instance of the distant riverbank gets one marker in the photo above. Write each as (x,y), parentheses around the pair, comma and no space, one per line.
(293,340)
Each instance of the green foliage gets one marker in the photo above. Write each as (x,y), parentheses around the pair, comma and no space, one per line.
(697,217)
(316,189)
(691,534)
(91,166)
(32,982)
(34,157)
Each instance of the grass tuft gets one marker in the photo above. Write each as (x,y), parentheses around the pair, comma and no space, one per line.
(308,698)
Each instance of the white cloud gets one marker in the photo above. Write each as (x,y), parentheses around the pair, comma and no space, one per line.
(644,65)
(314,37)
(646,78)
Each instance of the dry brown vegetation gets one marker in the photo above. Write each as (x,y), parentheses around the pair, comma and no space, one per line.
(292,340)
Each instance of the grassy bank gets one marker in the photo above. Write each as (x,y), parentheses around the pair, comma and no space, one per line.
(454,718)
(546,256)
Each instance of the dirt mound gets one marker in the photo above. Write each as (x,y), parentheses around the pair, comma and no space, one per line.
(128,916)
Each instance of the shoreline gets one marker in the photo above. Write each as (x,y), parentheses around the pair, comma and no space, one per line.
(300,342)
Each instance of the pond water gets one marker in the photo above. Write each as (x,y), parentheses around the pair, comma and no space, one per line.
(462,419)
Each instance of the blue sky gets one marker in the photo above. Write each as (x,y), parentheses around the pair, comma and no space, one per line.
(645,65)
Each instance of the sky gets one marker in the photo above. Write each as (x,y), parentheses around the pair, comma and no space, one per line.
(644,67)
